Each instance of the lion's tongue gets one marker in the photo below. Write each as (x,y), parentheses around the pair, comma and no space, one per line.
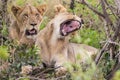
(70,27)
(32,31)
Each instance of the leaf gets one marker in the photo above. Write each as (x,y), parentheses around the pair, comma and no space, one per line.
(117,75)
(4,52)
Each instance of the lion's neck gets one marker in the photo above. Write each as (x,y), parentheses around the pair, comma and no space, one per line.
(51,45)
(53,42)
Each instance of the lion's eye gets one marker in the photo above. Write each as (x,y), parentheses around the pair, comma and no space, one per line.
(25,15)
(37,15)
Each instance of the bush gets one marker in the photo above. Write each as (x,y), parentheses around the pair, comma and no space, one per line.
(88,36)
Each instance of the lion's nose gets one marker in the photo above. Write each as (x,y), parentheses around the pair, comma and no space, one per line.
(33,24)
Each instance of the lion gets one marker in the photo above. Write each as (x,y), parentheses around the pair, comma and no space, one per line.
(54,45)
(26,24)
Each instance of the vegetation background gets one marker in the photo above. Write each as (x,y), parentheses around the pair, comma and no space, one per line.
(101,30)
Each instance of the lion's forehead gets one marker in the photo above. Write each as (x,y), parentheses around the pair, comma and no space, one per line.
(66,16)
(30,10)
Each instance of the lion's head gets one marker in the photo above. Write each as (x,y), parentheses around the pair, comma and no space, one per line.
(28,18)
(64,22)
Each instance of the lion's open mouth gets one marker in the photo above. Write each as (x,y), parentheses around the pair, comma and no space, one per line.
(69,26)
(31,32)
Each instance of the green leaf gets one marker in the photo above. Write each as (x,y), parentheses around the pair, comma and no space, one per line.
(117,75)
(4,53)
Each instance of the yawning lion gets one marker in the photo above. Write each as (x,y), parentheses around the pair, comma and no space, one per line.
(53,41)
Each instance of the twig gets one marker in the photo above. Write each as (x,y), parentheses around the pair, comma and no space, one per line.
(110,75)
(61,77)
(107,19)
(91,7)
(111,8)
(34,78)
(117,2)
(117,55)
(99,56)
(48,69)
(115,43)
(116,34)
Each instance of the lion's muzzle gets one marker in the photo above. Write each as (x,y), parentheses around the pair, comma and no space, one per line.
(31,32)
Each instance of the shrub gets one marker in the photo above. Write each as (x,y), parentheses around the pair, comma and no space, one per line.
(88,36)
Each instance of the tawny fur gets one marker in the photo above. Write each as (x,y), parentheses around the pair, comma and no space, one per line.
(55,49)
(24,18)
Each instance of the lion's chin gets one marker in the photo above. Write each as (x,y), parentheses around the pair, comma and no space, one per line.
(31,36)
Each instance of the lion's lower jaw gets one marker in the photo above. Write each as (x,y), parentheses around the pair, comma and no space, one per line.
(31,37)
(61,37)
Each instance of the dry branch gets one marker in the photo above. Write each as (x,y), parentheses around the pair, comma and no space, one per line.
(113,37)
(92,8)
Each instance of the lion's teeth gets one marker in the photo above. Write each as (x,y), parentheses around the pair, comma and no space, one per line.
(64,32)
(78,27)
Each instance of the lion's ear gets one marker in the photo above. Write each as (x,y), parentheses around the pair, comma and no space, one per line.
(42,8)
(59,9)
(15,10)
